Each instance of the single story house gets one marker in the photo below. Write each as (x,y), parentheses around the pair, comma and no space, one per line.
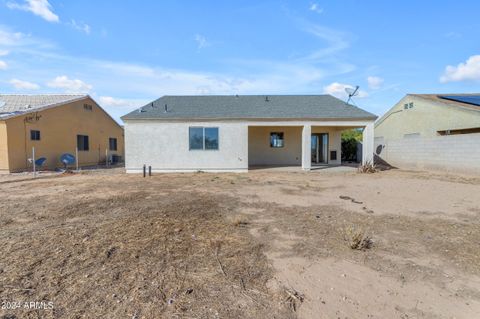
(431,131)
(53,125)
(233,133)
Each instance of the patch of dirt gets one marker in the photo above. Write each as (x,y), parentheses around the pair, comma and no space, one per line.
(134,255)
(256,245)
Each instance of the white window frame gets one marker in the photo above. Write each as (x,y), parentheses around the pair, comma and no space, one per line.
(203,139)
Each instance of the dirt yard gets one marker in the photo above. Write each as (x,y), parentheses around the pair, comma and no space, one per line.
(276,244)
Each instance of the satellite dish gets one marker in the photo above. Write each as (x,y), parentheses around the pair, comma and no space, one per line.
(67,159)
(352,92)
(40,161)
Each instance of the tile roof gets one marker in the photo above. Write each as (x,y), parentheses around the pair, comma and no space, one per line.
(249,107)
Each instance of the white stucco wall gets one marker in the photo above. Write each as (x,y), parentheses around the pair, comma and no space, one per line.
(165,147)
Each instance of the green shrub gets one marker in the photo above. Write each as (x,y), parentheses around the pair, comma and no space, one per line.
(350,139)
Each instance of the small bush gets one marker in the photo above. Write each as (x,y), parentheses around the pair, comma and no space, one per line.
(357,239)
(350,140)
(368,167)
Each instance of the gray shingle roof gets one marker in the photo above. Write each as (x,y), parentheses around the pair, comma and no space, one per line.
(14,104)
(249,107)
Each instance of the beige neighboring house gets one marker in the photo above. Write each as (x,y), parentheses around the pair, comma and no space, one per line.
(431,131)
(54,125)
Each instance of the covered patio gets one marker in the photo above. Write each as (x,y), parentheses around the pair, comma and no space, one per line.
(303,145)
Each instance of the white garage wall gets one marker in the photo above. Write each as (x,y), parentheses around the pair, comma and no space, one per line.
(453,152)
(165,147)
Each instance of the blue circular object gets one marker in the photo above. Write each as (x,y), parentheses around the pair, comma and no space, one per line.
(67,159)
(40,161)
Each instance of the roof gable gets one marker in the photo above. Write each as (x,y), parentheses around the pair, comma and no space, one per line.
(435,99)
(248,107)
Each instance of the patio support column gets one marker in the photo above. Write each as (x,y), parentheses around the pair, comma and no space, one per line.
(307,147)
(367,143)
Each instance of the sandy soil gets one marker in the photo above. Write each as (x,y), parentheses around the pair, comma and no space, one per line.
(256,245)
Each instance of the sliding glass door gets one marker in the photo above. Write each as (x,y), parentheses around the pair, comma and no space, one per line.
(320,148)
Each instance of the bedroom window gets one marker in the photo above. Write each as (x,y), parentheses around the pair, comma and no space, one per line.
(112,144)
(276,139)
(203,138)
(82,143)
(35,135)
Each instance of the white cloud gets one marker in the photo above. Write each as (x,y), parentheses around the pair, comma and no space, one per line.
(3,65)
(80,26)
(11,41)
(469,70)
(303,74)
(374,82)
(4,52)
(336,41)
(338,90)
(24,85)
(69,85)
(201,41)
(40,8)
(8,38)
(111,101)
(316,8)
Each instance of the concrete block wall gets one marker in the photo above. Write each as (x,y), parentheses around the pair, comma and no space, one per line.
(459,153)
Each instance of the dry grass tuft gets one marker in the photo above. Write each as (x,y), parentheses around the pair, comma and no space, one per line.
(357,238)
(240,221)
(368,167)
(294,298)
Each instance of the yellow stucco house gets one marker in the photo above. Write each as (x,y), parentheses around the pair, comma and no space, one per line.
(54,125)
(431,131)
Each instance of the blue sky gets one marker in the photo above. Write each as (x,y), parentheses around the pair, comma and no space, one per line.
(126,53)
